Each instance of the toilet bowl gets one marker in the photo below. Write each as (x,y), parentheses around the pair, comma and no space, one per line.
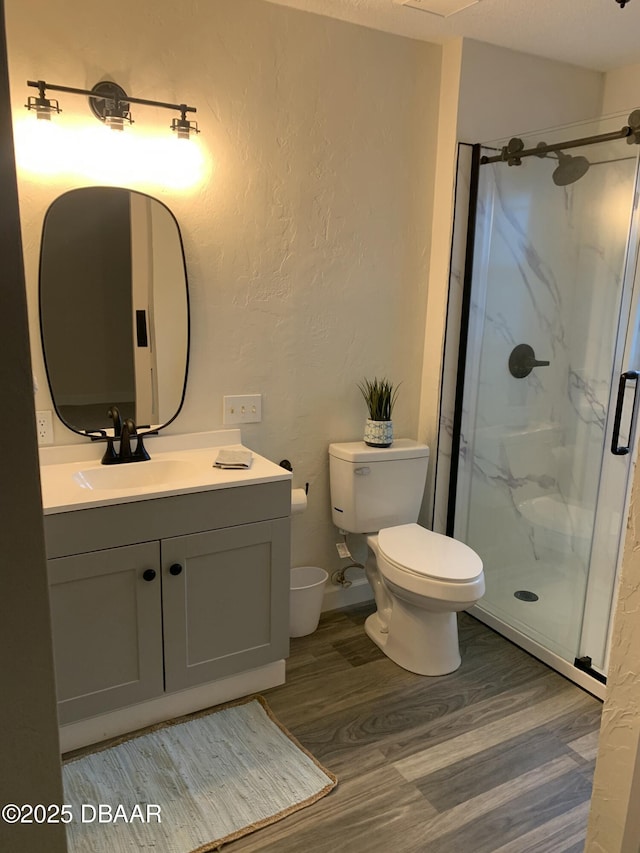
(420,579)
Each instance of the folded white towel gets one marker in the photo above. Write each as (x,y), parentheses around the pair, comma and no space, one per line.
(229,458)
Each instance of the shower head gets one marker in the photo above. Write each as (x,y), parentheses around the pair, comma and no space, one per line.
(569,169)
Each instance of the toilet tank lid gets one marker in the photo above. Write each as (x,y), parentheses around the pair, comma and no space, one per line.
(358,451)
(412,547)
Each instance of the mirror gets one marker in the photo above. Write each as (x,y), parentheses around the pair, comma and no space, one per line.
(114,309)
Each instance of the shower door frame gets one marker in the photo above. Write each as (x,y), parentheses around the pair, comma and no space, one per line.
(626,343)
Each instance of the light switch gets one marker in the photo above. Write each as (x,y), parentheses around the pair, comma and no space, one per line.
(245,409)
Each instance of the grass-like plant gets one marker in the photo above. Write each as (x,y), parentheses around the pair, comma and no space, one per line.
(380,397)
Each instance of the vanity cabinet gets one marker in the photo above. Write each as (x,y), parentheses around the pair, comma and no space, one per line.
(222,601)
(107,629)
(158,596)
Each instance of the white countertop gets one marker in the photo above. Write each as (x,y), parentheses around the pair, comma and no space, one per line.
(179,464)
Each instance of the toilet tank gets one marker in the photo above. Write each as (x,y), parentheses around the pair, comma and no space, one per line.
(376,487)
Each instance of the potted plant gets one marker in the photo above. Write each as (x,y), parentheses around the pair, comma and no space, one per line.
(380,397)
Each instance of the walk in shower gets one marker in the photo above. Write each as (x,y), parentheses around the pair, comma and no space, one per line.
(540,383)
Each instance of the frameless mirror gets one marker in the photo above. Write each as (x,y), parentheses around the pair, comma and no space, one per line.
(114,309)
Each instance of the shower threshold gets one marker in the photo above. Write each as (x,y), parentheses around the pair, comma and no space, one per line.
(568,670)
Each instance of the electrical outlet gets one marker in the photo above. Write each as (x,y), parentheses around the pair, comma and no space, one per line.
(343,551)
(245,409)
(44,425)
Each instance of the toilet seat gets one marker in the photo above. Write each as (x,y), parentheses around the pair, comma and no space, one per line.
(423,553)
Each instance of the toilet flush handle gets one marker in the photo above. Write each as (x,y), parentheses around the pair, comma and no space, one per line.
(362,470)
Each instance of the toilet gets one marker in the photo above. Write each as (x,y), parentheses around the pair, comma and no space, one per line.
(420,579)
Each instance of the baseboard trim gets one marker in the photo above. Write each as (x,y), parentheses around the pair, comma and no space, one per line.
(336,597)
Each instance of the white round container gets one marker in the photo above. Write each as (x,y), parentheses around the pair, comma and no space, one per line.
(305,599)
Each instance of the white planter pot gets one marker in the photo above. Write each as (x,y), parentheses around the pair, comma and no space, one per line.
(378,433)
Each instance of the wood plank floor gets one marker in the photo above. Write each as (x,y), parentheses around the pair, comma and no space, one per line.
(497,757)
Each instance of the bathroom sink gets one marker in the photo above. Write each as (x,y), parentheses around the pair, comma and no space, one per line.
(136,475)
(71,476)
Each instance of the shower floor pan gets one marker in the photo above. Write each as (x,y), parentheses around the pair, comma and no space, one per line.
(554,619)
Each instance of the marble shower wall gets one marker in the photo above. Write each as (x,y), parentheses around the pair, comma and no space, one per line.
(548,272)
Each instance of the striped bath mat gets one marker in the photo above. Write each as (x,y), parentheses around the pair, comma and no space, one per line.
(191,786)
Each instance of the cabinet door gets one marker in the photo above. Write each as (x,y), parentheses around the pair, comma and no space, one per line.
(107,629)
(225,601)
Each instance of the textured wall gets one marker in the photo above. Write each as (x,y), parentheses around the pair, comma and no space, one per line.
(308,244)
(621,90)
(520,93)
(614,824)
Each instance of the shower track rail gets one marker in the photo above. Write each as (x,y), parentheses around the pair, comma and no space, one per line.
(514,151)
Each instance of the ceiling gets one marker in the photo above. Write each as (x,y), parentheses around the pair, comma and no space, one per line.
(596,34)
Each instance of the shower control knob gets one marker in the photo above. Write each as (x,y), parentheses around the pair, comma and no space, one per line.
(149,574)
(522,361)
(175,569)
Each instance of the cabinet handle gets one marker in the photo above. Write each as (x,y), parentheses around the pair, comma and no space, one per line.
(149,574)
(175,569)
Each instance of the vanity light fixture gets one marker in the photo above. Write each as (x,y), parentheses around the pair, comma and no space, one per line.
(42,105)
(182,127)
(110,104)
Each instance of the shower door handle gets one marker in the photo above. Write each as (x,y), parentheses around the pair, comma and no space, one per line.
(616,449)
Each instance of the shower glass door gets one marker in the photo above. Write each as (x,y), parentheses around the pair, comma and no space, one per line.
(539,495)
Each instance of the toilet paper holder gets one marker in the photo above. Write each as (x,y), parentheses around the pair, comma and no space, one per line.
(284,463)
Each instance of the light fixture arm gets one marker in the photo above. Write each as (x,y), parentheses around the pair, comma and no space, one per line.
(42,85)
(110,104)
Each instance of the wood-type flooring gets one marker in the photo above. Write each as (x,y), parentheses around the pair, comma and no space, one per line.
(497,757)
